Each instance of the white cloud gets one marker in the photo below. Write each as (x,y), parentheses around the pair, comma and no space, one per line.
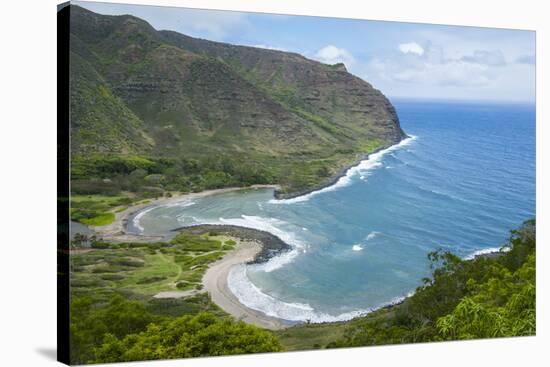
(432,66)
(411,47)
(332,55)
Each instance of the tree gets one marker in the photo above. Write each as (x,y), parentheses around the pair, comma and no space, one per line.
(504,305)
(188,336)
(90,324)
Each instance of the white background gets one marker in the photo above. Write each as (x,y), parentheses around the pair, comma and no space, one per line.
(28,182)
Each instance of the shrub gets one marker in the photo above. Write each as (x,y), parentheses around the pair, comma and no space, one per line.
(100,245)
(205,335)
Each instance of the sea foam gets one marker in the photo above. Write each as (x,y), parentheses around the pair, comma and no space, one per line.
(372,235)
(363,168)
(137,218)
(271,225)
(252,297)
(486,251)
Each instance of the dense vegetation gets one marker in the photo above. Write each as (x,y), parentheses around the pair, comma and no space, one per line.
(188,336)
(490,296)
(153,176)
(102,184)
(155,111)
(114,316)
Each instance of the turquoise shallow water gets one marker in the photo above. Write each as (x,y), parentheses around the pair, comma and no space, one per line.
(464,180)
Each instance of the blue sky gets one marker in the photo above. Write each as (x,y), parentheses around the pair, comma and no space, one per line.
(407,60)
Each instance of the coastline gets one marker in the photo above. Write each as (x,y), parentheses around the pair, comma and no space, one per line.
(118,230)
(334,178)
(215,282)
(270,245)
(253,246)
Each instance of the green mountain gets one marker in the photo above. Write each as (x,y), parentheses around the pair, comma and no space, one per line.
(166,111)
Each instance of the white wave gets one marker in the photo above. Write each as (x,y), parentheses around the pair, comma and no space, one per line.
(137,218)
(252,297)
(372,235)
(272,226)
(485,251)
(371,163)
(182,204)
(356,248)
(181,218)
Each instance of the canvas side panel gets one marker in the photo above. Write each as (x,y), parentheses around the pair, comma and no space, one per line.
(63,184)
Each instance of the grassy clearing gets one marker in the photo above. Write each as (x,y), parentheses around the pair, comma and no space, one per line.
(99,220)
(97,210)
(100,210)
(147,269)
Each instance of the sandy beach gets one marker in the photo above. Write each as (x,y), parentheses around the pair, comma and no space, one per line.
(116,231)
(215,279)
(215,283)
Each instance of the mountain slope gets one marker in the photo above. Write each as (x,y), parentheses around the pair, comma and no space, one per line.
(275,115)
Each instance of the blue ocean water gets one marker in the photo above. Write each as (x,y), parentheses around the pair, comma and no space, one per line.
(464,179)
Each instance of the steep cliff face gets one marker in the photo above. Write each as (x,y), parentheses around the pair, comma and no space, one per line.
(139,91)
(328,92)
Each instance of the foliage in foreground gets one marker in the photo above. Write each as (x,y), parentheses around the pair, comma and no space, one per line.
(482,298)
(125,330)
(188,336)
(114,314)
(486,297)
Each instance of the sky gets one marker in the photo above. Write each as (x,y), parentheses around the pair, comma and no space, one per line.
(403,60)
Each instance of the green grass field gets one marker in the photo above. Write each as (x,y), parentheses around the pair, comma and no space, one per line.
(147,269)
(100,210)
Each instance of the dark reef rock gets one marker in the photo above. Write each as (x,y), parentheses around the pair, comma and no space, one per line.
(271,244)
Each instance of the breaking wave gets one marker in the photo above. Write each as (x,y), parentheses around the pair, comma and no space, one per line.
(272,226)
(486,251)
(137,218)
(371,163)
(252,297)
(372,235)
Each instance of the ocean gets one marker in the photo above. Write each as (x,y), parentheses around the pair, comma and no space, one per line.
(464,178)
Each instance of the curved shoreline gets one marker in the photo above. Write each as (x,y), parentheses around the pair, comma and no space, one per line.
(118,230)
(257,245)
(253,246)
(336,177)
(215,282)
(270,245)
